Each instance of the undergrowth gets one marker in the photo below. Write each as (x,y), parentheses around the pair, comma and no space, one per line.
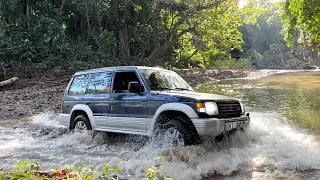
(28,170)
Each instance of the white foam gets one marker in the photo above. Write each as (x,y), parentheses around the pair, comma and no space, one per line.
(47,119)
(267,72)
(270,143)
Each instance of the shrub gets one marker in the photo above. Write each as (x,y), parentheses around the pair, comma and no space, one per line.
(31,171)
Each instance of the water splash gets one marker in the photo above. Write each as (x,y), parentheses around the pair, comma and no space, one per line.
(270,145)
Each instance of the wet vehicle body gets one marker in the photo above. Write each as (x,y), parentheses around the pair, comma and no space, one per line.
(147,101)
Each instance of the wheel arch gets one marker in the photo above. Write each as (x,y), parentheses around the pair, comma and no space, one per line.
(167,111)
(81,109)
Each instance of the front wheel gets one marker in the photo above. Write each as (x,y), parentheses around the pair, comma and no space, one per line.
(173,134)
(81,123)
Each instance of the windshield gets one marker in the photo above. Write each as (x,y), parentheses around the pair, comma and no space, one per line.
(161,80)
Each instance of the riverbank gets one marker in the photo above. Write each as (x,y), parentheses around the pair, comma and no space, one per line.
(196,77)
(44,94)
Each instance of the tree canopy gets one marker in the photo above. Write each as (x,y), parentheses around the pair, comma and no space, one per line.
(81,34)
(302,15)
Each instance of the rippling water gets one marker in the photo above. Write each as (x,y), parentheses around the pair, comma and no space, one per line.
(282,141)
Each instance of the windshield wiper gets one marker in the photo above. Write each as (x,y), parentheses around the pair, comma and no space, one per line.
(162,88)
(184,89)
(165,88)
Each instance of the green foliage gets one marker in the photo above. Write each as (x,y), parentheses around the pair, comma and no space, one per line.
(31,171)
(155,173)
(262,34)
(106,171)
(305,16)
(65,36)
(252,11)
(42,35)
(25,170)
(273,57)
(216,33)
(265,31)
(252,56)
(83,172)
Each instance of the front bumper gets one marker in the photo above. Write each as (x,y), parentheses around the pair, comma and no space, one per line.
(215,126)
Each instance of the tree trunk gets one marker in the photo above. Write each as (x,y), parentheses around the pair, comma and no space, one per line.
(83,27)
(4,72)
(28,14)
(88,20)
(9,81)
(155,38)
(63,2)
(158,51)
(124,42)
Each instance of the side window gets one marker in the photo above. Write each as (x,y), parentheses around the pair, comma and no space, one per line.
(99,83)
(122,80)
(78,85)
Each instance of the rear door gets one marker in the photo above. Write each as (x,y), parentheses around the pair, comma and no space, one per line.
(75,92)
(98,97)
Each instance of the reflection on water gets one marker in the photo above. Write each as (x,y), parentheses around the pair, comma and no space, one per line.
(295,95)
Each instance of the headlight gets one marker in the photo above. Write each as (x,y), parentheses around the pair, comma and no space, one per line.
(242,108)
(209,108)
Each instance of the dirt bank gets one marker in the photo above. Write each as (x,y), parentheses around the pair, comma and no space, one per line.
(200,76)
(41,94)
(32,96)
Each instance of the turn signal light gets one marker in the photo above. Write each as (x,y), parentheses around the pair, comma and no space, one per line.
(200,105)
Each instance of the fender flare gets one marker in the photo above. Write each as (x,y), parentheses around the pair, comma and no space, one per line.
(87,110)
(171,107)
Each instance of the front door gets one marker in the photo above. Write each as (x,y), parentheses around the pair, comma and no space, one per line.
(127,110)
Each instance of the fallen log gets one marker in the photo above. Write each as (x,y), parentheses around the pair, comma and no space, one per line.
(8,81)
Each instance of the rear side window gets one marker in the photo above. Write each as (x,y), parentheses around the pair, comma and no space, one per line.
(78,85)
(99,83)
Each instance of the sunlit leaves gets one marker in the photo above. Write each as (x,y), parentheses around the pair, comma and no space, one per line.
(213,33)
(305,16)
(251,11)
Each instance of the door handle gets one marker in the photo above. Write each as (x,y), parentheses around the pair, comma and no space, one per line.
(113,104)
(88,103)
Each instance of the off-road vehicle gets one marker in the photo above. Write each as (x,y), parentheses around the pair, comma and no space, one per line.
(145,100)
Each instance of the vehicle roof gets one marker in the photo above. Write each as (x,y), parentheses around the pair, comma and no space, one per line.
(115,68)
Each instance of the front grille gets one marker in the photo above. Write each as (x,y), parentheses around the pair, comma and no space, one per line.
(229,110)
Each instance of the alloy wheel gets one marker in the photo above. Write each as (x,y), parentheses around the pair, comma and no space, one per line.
(173,137)
(80,126)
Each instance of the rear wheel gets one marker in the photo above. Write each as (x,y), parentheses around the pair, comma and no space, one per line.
(81,123)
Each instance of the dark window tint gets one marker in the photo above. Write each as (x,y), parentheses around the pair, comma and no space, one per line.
(122,80)
(78,86)
(99,83)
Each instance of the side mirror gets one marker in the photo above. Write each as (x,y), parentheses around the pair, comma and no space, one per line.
(134,87)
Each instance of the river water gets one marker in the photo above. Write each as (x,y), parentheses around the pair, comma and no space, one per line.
(282,142)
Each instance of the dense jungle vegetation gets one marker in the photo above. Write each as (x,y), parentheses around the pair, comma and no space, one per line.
(66,35)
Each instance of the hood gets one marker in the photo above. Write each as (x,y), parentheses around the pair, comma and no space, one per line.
(196,95)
